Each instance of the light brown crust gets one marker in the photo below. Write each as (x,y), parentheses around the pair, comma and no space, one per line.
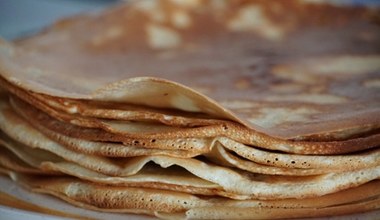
(233,181)
(279,213)
(331,98)
(73,110)
(93,196)
(323,163)
(233,131)
(222,156)
(148,179)
(275,163)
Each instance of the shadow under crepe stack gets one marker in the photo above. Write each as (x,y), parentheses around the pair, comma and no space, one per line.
(199,109)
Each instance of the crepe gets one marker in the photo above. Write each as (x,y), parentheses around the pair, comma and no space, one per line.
(36,139)
(364,193)
(312,108)
(199,139)
(148,201)
(229,180)
(198,109)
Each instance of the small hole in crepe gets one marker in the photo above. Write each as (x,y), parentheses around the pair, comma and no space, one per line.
(153,140)
(166,94)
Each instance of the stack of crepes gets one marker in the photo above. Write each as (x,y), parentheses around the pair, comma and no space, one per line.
(199,109)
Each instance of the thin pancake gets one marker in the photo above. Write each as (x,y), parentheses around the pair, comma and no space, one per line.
(93,196)
(149,176)
(323,163)
(230,180)
(234,131)
(108,47)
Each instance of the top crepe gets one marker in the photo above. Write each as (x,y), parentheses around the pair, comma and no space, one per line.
(270,66)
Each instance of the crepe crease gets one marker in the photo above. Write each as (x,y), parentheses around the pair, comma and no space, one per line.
(198,110)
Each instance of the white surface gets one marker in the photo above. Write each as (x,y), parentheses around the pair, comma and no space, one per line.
(16,214)
(25,17)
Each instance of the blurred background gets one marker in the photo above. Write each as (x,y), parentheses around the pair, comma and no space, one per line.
(25,17)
